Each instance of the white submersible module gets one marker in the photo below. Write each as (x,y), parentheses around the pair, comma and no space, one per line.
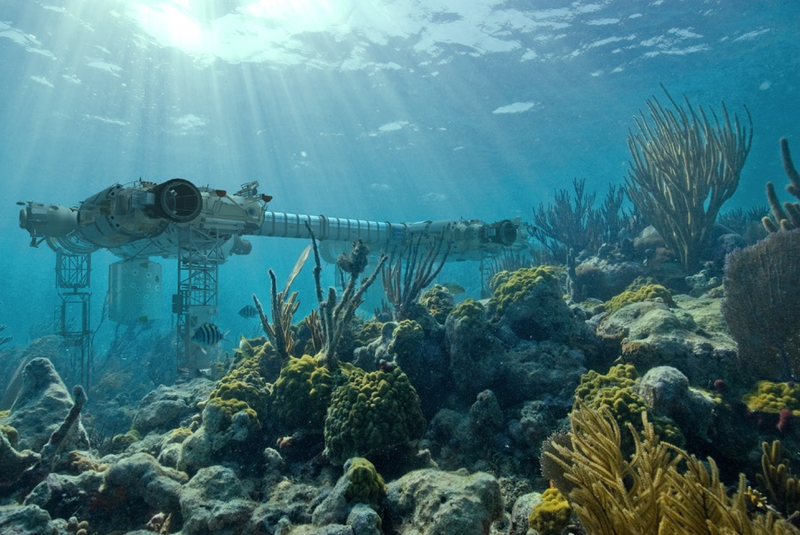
(201,227)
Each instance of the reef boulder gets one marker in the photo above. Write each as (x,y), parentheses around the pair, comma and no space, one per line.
(476,355)
(165,407)
(27,520)
(41,406)
(432,501)
(214,501)
(690,336)
(667,392)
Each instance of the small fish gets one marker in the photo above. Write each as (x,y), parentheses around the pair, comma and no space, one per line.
(454,288)
(248,312)
(208,334)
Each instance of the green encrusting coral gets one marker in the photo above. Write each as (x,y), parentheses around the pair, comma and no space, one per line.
(439,302)
(365,483)
(511,286)
(370,413)
(245,388)
(178,435)
(646,292)
(615,391)
(552,515)
(368,331)
(120,443)
(773,397)
(11,434)
(407,338)
(301,394)
(469,309)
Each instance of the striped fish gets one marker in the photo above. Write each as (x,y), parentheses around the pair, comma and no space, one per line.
(248,311)
(208,334)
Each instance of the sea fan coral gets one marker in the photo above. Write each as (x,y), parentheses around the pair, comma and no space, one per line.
(761,305)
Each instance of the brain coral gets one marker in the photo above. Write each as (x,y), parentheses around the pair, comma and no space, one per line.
(365,484)
(371,412)
(301,394)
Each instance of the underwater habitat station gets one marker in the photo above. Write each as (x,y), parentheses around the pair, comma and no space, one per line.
(400,267)
(201,228)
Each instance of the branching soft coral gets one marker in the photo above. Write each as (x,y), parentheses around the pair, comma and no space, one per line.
(684,167)
(660,489)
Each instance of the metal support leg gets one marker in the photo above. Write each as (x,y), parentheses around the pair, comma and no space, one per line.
(196,301)
(73,277)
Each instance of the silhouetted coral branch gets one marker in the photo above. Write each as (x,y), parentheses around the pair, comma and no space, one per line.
(788,216)
(410,273)
(283,307)
(335,314)
(4,339)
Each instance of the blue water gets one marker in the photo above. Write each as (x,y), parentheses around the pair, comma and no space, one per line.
(400,110)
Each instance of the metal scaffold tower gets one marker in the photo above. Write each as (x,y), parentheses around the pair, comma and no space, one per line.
(74,314)
(196,301)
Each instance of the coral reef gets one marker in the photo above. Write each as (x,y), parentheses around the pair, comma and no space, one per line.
(365,484)
(572,223)
(474,351)
(24,519)
(409,273)
(616,393)
(230,432)
(14,463)
(300,440)
(41,406)
(245,388)
(781,485)
(418,347)
(336,312)
(438,301)
(138,484)
(603,278)
(234,415)
(683,169)
(283,305)
(214,501)
(165,407)
(539,370)
(528,304)
(361,484)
